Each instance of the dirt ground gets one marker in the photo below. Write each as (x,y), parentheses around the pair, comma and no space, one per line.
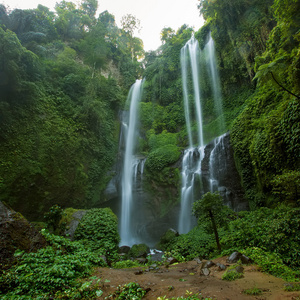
(175,280)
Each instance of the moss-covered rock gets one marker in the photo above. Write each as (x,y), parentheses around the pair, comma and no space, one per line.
(16,233)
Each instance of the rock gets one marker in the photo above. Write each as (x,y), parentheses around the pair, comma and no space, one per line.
(141,260)
(221,266)
(124,249)
(104,258)
(16,233)
(205,272)
(139,272)
(156,255)
(171,260)
(245,259)
(208,264)
(239,269)
(139,250)
(234,257)
(198,260)
(75,220)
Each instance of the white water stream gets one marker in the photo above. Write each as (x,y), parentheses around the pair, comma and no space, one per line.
(130,165)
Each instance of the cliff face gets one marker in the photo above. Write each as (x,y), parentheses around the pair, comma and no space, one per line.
(16,233)
(156,205)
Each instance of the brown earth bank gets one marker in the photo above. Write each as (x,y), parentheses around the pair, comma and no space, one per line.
(175,280)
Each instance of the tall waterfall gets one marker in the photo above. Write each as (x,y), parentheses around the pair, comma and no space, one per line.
(215,81)
(129,164)
(191,163)
(193,156)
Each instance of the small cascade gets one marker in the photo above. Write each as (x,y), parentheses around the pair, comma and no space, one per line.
(215,81)
(217,162)
(130,164)
(191,168)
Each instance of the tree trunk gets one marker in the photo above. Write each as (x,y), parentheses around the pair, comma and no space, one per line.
(215,229)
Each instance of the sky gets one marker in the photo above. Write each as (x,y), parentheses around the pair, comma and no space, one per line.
(154,15)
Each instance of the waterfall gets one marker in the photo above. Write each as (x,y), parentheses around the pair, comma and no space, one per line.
(215,81)
(190,64)
(130,164)
(217,162)
(192,159)
(191,163)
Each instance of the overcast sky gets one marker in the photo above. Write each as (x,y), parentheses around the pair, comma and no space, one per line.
(153,14)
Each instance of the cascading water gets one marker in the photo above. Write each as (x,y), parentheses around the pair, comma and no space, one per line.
(193,156)
(130,165)
(215,81)
(217,162)
(191,163)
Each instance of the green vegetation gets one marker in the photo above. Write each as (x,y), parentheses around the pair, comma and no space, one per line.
(51,271)
(64,76)
(253,291)
(128,291)
(98,230)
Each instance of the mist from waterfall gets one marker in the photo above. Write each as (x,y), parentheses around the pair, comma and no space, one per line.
(130,164)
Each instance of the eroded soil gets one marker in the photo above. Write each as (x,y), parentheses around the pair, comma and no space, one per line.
(175,280)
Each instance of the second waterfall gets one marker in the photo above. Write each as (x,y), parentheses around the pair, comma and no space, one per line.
(130,135)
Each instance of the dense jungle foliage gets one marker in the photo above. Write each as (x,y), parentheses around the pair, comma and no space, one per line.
(64,77)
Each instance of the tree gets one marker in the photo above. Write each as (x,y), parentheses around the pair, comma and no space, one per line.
(210,205)
(130,24)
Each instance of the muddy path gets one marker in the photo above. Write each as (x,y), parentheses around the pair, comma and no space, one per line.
(175,280)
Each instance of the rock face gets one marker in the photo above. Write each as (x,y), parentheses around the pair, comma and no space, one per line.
(219,173)
(156,207)
(16,233)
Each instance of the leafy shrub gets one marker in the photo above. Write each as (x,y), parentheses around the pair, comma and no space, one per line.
(129,291)
(162,157)
(253,291)
(271,263)
(138,250)
(231,274)
(125,264)
(271,230)
(196,243)
(50,270)
(98,230)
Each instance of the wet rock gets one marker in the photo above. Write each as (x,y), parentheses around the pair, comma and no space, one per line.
(156,255)
(16,233)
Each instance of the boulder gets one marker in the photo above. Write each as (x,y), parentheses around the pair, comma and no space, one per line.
(75,220)
(234,257)
(124,249)
(205,271)
(139,250)
(221,266)
(16,233)
(208,264)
